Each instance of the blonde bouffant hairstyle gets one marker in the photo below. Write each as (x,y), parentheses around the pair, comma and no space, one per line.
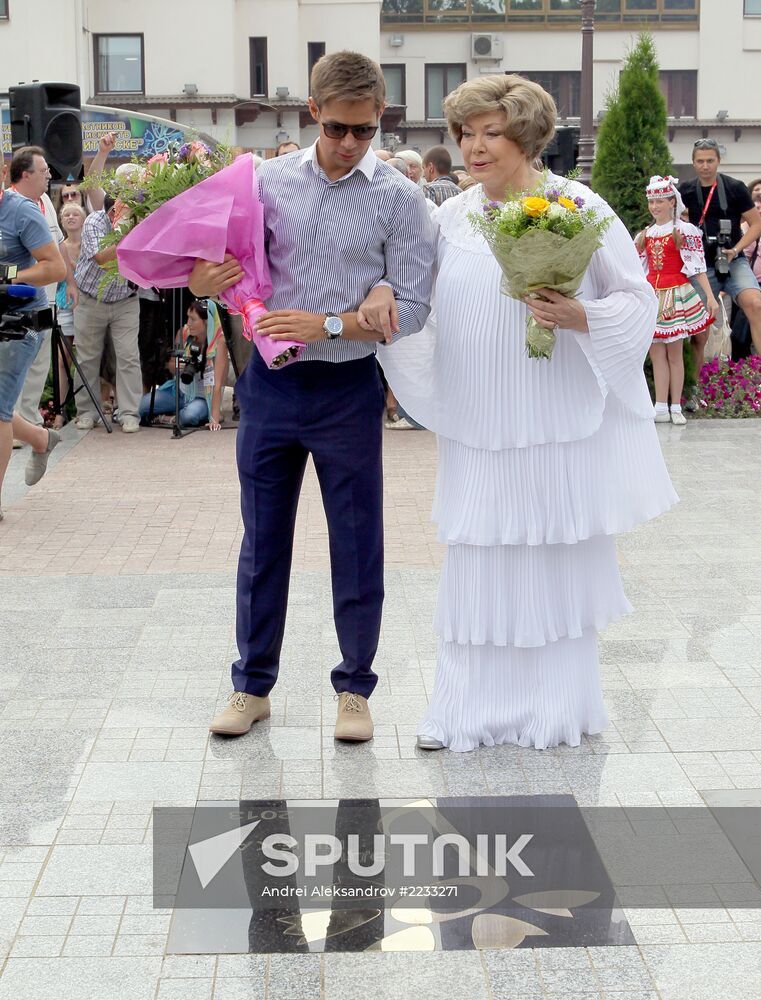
(530,111)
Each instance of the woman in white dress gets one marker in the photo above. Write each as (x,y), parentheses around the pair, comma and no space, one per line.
(541,462)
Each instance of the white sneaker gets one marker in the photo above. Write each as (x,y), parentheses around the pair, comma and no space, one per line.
(662,417)
(84,423)
(400,425)
(130,425)
(678,418)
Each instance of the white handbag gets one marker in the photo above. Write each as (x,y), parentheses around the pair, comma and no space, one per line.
(719,343)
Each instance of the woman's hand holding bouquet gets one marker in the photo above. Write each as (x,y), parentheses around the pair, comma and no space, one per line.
(543,244)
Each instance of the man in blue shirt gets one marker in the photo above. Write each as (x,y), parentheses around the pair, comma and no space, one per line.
(26,243)
(338,222)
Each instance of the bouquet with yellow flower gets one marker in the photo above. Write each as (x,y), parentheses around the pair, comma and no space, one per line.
(545,240)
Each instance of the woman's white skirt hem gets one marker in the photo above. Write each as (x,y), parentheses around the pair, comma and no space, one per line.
(490,695)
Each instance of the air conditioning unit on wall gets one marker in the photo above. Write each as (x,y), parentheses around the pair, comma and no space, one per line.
(484,46)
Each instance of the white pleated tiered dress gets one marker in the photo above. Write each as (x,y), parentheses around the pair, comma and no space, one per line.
(541,463)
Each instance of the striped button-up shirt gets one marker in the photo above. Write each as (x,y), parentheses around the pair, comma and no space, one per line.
(441,190)
(88,272)
(330,242)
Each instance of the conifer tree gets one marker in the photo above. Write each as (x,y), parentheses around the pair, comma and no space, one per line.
(631,142)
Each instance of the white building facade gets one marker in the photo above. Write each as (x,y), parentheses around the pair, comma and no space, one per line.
(239,69)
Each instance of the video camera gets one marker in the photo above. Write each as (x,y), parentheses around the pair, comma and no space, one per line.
(15,325)
(721,242)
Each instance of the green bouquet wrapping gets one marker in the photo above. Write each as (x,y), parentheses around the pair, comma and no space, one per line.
(542,241)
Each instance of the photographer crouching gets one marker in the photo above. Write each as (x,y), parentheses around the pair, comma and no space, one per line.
(200,374)
(29,260)
(718,204)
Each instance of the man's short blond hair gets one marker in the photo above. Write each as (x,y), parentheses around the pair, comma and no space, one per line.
(347,76)
(531,112)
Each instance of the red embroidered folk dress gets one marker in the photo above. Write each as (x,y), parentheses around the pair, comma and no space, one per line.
(681,312)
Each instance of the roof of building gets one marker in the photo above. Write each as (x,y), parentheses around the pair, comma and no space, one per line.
(165,100)
(130,101)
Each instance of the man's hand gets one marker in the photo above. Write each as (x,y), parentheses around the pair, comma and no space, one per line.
(208,278)
(72,294)
(107,143)
(379,313)
(293,324)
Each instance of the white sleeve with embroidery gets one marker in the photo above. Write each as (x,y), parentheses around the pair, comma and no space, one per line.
(692,253)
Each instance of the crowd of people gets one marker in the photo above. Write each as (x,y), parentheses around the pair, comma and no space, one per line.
(531,454)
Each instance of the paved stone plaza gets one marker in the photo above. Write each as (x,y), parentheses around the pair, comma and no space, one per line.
(117,631)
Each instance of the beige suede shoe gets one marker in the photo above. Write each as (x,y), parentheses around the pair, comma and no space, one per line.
(354,722)
(242,711)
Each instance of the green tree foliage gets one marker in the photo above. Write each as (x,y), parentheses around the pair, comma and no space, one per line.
(631,142)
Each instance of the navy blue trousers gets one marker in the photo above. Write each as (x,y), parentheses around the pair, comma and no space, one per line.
(333,413)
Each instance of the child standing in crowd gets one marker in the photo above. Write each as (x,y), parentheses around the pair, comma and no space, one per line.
(672,252)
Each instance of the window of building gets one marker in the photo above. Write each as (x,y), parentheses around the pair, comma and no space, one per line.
(396,83)
(565,88)
(315,52)
(258,49)
(119,64)
(440,80)
(752,8)
(4,14)
(680,88)
(529,13)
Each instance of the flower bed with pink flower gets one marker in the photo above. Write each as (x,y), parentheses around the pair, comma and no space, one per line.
(730,388)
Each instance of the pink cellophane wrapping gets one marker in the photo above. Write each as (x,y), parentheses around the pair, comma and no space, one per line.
(220,215)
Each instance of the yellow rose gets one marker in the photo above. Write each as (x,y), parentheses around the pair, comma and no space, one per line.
(567,203)
(534,207)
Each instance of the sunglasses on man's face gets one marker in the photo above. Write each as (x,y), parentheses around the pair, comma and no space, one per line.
(336,130)
(70,196)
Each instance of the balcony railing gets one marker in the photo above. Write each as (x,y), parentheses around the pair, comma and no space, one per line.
(536,13)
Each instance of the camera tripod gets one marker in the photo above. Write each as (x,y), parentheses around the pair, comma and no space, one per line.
(60,349)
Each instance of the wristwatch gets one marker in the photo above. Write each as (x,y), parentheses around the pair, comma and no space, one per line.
(333,326)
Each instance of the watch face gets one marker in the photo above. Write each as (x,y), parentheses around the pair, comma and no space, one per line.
(334,325)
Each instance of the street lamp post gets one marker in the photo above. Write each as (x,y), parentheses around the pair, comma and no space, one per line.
(587,137)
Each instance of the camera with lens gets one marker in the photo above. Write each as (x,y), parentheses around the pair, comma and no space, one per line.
(191,361)
(721,242)
(13,324)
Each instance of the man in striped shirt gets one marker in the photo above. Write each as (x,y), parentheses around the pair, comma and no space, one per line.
(437,170)
(339,223)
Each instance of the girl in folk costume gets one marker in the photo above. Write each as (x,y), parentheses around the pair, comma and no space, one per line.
(672,253)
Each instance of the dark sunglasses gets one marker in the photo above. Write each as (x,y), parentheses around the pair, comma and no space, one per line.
(706,144)
(336,130)
(70,196)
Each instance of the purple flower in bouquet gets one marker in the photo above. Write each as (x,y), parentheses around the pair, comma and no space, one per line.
(552,194)
(579,202)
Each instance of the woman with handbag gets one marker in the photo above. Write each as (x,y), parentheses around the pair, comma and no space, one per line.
(672,252)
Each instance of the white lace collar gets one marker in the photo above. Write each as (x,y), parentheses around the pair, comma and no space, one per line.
(458,230)
(662,229)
